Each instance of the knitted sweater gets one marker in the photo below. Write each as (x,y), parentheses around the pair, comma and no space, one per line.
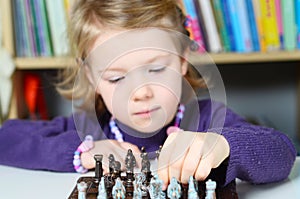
(257,154)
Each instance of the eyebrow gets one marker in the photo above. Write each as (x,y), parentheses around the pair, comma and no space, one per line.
(150,60)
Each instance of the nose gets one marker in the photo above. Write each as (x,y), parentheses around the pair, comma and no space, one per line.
(143,93)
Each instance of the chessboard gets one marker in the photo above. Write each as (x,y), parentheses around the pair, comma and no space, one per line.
(227,192)
(145,184)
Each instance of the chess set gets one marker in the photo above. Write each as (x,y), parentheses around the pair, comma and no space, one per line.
(143,185)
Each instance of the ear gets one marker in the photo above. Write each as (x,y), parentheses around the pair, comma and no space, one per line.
(184,62)
(184,66)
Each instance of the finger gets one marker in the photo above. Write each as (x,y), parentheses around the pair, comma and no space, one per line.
(203,170)
(163,161)
(192,160)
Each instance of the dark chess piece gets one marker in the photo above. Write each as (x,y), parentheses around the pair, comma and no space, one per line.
(146,167)
(114,167)
(157,153)
(130,161)
(98,167)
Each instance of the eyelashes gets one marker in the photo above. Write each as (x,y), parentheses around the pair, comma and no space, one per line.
(117,79)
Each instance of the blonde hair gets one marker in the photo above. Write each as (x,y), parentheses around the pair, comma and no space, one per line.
(84,28)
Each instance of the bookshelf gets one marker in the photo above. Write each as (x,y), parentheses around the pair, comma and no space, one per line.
(49,63)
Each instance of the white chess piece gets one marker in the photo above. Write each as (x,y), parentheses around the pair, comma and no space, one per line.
(193,191)
(81,187)
(210,189)
(101,190)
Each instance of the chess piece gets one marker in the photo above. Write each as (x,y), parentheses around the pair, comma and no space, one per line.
(130,161)
(193,190)
(98,167)
(174,189)
(101,190)
(158,152)
(155,188)
(81,187)
(114,167)
(137,191)
(146,167)
(111,160)
(118,190)
(210,189)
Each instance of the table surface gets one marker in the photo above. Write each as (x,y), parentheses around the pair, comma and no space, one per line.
(18,183)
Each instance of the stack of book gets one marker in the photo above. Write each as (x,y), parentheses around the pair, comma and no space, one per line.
(40,27)
(244,25)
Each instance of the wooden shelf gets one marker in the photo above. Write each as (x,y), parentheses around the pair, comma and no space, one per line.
(43,63)
(220,58)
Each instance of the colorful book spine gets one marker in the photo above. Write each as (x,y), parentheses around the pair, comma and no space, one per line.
(297,13)
(259,25)
(31,31)
(270,24)
(193,24)
(234,18)
(244,24)
(57,21)
(252,25)
(220,21)
(289,24)
(19,44)
(279,22)
(213,39)
(228,25)
(24,31)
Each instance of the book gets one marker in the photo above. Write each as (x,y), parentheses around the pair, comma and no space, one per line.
(242,13)
(228,25)
(235,24)
(279,22)
(259,25)
(213,38)
(193,24)
(297,13)
(41,28)
(289,24)
(252,26)
(58,26)
(220,21)
(31,29)
(24,46)
(269,23)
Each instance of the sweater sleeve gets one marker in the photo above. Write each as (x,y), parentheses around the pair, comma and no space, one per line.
(257,154)
(42,145)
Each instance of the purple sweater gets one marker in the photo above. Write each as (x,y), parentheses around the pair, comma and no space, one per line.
(257,154)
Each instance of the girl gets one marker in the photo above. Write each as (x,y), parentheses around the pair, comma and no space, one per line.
(131,68)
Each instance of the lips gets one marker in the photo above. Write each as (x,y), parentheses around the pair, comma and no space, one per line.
(146,112)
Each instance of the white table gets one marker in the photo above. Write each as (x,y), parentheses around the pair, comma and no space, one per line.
(18,183)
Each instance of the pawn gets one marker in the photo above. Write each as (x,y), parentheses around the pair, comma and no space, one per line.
(210,189)
(192,192)
(81,187)
(101,190)
(118,191)
(155,188)
(137,191)
(174,189)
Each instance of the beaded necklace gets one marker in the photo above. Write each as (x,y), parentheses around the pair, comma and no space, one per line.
(119,136)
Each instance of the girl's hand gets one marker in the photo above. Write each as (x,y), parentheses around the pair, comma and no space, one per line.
(186,154)
(107,147)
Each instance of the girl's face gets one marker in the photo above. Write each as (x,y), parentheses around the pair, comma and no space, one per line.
(140,85)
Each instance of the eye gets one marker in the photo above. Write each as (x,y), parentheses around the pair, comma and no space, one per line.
(157,69)
(116,79)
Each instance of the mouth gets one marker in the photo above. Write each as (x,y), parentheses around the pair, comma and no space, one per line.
(147,112)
